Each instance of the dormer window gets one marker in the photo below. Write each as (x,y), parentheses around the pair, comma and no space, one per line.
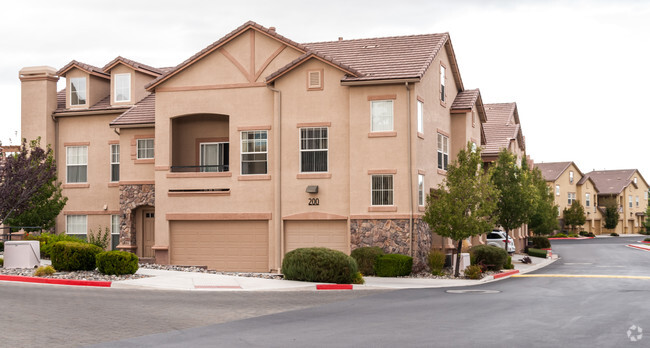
(78,91)
(122,85)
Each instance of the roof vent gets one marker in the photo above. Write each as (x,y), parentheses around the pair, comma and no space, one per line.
(370,46)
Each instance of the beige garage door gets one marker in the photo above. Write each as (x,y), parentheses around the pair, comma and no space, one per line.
(221,245)
(316,233)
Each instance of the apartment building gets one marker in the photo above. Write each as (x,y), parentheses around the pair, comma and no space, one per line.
(257,145)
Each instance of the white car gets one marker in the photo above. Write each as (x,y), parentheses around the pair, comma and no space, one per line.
(497,238)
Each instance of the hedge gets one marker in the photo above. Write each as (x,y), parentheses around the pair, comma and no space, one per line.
(320,265)
(393,265)
(537,252)
(116,262)
(539,242)
(491,257)
(366,257)
(74,256)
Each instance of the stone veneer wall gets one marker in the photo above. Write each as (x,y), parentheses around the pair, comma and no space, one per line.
(131,197)
(392,235)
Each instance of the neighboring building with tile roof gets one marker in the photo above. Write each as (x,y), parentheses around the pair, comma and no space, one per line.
(503,131)
(262,145)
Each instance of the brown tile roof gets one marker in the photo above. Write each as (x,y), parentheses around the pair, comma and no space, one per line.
(60,99)
(135,65)
(305,57)
(143,112)
(464,102)
(551,171)
(104,104)
(501,127)
(215,45)
(93,70)
(611,181)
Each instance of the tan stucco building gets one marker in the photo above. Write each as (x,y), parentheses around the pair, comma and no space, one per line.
(257,145)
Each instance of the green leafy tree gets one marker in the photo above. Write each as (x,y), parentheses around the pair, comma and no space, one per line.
(463,204)
(543,220)
(574,215)
(515,202)
(646,223)
(611,212)
(31,195)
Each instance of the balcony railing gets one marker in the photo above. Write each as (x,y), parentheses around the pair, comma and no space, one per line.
(200,169)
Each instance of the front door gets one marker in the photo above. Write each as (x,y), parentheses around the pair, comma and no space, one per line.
(148,224)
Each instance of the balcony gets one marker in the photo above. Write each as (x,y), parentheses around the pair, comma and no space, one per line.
(200,144)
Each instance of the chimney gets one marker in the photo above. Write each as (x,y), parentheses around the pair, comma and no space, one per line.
(340,38)
(272,29)
(38,101)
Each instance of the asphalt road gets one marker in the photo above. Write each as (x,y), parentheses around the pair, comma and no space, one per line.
(559,307)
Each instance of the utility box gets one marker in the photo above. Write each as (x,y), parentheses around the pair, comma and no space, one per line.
(22,254)
(464,261)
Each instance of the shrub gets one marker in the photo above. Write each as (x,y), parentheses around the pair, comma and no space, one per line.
(319,265)
(116,262)
(436,262)
(647,239)
(573,235)
(100,239)
(491,257)
(366,257)
(44,270)
(584,233)
(74,256)
(509,264)
(591,234)
(393,265)
(614,234)
(47,240)
(560,235)
(537,252)
(474,272)
(2,262)
(358,278)
(539,242)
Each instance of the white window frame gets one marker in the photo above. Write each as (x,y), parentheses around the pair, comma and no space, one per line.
(421,190)
(82,163)
(115,227)
(220,160)
(420,112)
(143,150)
(571,197)
(587,199)
(443,152)
(390,118)
(630,200)
(261,142)
(82,223)
(122,88)
(79,92)
(557,190)
(304,144)
(443,79)
(115,161)
(571,177)
(382,191)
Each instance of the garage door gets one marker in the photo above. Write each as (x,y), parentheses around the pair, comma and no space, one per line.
(316,233)
(221,245)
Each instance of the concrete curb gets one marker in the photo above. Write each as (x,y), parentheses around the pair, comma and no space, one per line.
(638,247)
(505,274)
(25,279)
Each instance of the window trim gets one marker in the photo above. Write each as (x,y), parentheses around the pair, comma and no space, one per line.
(85,91)
(112,163)
(392,115)
(115,94)
(67,165)
(442,76)
(301,150)
(439,151)
(137,148)
(242,153)
(67,229)
(571,197)
(392,190)
(420,116)
(421,190)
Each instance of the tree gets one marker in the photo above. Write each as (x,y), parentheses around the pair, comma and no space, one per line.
(463,204)
(28,187)
(611,212)
(574,216)
(543,219)
(515,202)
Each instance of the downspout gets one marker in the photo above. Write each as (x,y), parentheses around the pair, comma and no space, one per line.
(116,132)
(278,181)
(410,163)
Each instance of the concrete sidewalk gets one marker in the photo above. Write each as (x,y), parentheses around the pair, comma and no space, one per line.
(177,280)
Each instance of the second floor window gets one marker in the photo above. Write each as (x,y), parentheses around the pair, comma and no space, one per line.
(443,151)
(420,117)
(122,87)
(78,91)
(313,149)
(145,149)
(214,157)
(420,189)
(443,76)
(587,199)
(572,197)
(76,161)
(557,190)
(571,177)
(381,113)
(115,162)
(630,200)
(254,152)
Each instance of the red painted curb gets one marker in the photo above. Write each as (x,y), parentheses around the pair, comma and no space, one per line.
(333,286)
(644,242)
(506,274)
(97,283)
(638,247)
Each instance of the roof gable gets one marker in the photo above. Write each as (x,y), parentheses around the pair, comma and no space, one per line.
(143,68)
(306,57)
(90,69)
(502,127)
(553,170)
(613,182)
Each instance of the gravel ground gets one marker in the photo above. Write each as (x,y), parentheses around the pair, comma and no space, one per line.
(203,270)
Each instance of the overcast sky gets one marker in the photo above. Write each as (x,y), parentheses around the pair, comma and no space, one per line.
(578,70)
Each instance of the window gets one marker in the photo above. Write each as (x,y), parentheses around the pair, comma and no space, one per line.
(76,164)
(420,117)
(630,200)
(115,162)
(572,197)
(443,151)
(382,115)
(145,148)
(634,181)
(637,201)
(382,190)
(420,189)
(442,82)
(254,152)
(571,177)
(587,199)
(78,91)
(77,225)
(115,231)
(557,190)
(313,149)
(214,157)
(122,87)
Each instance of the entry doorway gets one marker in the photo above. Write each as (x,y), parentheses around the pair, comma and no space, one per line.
(145,231)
